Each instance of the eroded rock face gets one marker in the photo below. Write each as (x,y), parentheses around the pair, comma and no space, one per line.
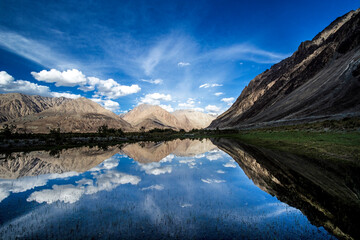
(329,197)
(319,79)
(15,105)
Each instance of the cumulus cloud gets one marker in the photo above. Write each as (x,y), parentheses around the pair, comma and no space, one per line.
(8,84)
(167,107)
(66,95)
(113,90)
(107,104)
(220,171)
(212,109)
(69,78)
(155,98)
(229,100)
(190,103)
(183,64)
(208,85)
(109,88)
(218,94)
(153,81)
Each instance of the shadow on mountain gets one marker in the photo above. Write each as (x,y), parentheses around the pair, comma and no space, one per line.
(328,193)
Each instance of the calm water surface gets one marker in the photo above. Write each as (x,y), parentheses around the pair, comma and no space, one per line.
(178,189)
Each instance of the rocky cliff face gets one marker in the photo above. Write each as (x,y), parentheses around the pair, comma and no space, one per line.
(15,105)
(75,115)
(321,79)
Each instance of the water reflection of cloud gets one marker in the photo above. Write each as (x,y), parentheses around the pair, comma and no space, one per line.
(209,180)
(229,165)
(154,187)
(8,186)
(155,168)
(70,193)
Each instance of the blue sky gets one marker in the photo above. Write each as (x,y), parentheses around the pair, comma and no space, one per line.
(177,54)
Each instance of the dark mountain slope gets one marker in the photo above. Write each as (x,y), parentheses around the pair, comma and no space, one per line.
(321,79)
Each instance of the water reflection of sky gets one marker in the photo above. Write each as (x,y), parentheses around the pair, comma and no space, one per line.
(201,196)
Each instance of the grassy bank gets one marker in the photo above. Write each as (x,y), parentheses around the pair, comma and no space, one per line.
(319,145)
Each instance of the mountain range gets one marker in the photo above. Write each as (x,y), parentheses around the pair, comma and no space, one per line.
(320,80)
(38,114)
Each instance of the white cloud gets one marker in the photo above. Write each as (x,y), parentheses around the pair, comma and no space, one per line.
(218,94)
(154,187)
(213,109)
(69,78)
(28,48)
(66,95)
(155,98)
(113,90)
(198,109)
(155,81)
(229,100)
(183,64)
(190,103)
(208,180)
(8,84)
(107,104)
(244,52)
(207,85)
(230,165)
(167,107)
(220,171)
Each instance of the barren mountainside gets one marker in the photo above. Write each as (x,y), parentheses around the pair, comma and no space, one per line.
(320,80)
(15,105)
(77,115)
(148,117)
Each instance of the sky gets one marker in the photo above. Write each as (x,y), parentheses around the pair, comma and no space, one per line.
(177,54)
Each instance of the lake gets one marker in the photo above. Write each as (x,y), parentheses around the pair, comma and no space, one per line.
(186,189)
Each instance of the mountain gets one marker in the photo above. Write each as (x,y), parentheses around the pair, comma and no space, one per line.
(76,115)
(191,119)
(15,105)
(148,117)
(320,80)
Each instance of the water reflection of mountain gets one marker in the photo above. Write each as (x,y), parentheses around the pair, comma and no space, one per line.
(146,152)
(327,193)
(35,163)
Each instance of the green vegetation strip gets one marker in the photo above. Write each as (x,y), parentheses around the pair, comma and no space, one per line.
(319,145)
